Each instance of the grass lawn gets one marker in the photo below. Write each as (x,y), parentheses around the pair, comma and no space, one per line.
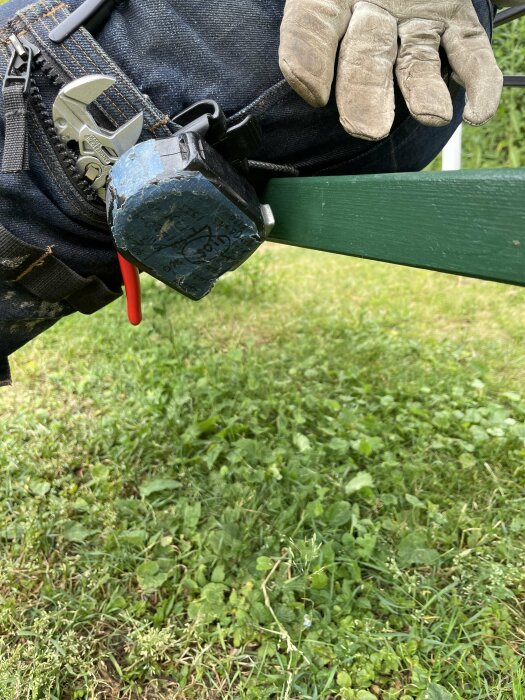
(310,485)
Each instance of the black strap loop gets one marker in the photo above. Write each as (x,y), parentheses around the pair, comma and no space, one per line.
(48,278)
(16,150)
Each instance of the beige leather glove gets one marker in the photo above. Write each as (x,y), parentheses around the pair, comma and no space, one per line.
(376,37)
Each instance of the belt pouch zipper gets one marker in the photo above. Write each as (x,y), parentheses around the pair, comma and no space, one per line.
(19,87)
(15,90)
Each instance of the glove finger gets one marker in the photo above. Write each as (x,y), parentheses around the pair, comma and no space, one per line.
(310,34)
(472,60)
(365,80)
(418,71)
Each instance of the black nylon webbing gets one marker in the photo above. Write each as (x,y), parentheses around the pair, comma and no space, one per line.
(15,156)
(77,56)
(47,277)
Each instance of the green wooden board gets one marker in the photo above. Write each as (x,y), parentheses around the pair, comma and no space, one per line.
(469,223)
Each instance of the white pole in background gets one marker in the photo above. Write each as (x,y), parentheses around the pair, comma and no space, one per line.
(452,151)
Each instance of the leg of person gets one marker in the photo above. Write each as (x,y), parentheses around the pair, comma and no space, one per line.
(192,52)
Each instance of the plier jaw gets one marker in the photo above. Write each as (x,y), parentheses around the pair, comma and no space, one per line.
(99,149)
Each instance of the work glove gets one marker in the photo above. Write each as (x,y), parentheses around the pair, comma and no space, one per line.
(376,38)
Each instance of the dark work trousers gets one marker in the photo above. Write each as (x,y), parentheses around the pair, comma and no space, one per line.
(175,52)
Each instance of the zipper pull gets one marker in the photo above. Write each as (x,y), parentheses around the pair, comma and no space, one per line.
(15,90)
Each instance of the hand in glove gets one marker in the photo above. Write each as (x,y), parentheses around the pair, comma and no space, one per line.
(376,37)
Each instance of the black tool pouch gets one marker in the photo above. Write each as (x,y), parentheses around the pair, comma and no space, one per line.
(56,252)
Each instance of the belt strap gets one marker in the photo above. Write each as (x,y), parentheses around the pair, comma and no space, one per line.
(45,276)
(16,149)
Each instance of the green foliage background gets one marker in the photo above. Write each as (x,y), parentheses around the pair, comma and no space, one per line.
(501,142)
(310,485)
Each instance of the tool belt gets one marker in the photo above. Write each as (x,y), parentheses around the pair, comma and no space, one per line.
(43,267)
(37,69)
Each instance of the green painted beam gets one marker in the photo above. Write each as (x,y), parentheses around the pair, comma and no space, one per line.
(469,223)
